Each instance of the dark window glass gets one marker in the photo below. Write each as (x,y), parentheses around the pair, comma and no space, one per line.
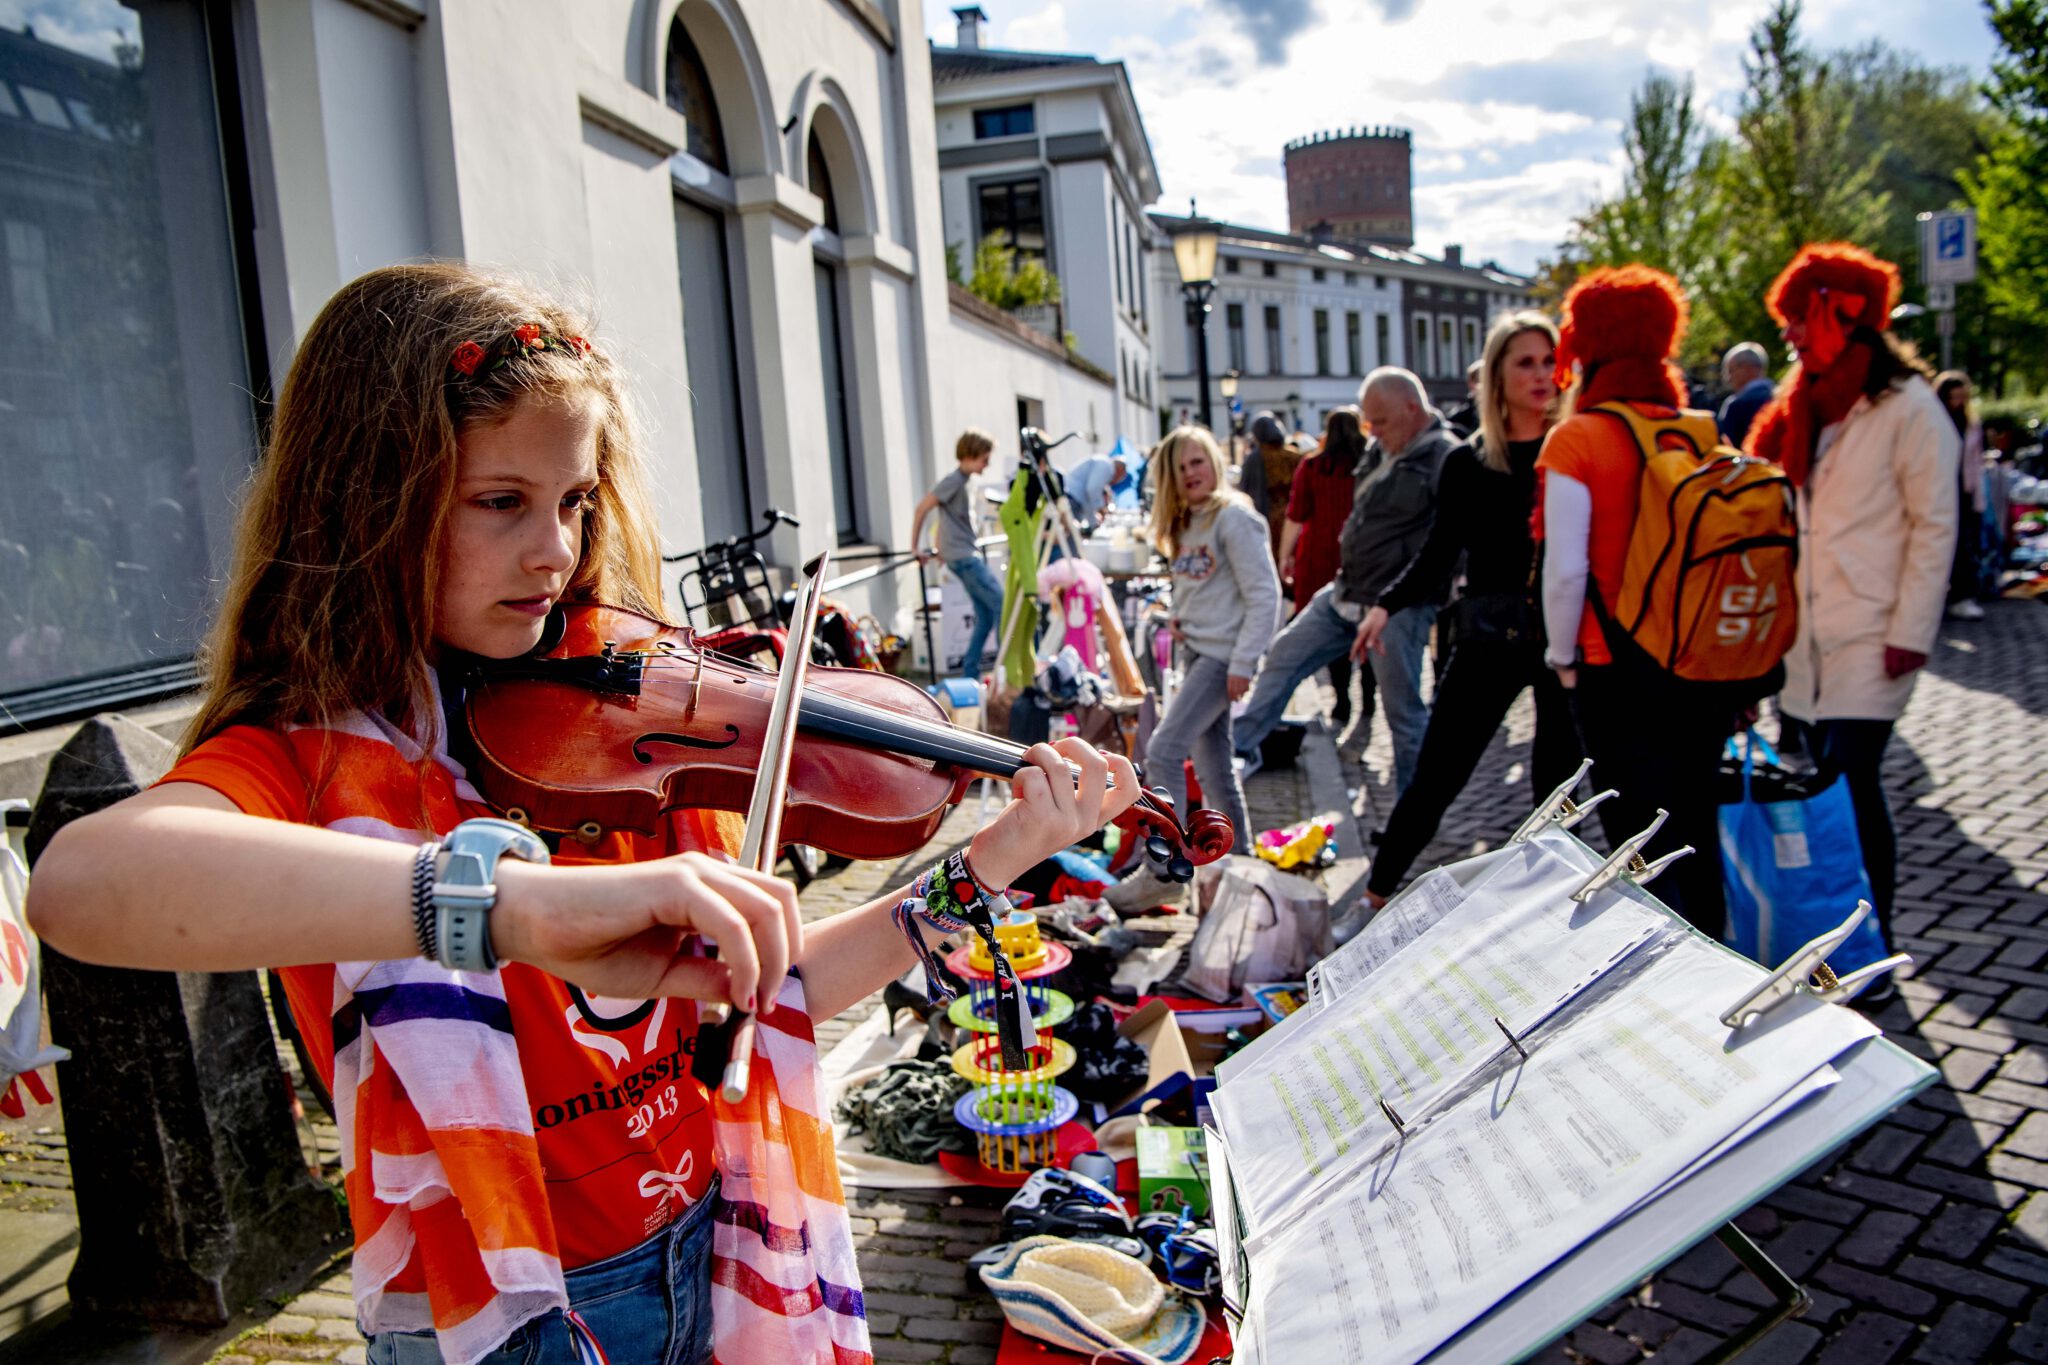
(710,353)
(689,94)
(1322,341)
(1233,316)
(1276,357)
(1382,339)
(1013,211)
(126,424)
(1354,348)
(1319,274)
(1351,277)
(1269,269)
(1421,358)
(838,420)
(1231,265)
(819,175)
(1012,120)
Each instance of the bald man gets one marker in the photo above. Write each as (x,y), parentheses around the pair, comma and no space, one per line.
(1393,506)
(1745,371)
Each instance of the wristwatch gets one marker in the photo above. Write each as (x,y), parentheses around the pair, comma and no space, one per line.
(465,892)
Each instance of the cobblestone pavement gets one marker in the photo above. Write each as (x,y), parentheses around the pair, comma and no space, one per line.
(1925,1240)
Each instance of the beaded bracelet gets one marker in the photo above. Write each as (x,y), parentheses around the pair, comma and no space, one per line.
(426,926)
(930,900)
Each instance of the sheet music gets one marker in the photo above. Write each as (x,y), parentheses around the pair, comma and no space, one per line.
(1406,1249)
(1399,922)
(1513,949)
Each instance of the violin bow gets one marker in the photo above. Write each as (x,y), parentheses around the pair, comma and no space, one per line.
(763,840)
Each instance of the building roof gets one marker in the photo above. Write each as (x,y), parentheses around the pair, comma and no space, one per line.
(1364,255)
(953,65)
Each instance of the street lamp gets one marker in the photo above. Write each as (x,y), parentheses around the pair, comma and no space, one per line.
(1194,255)
(1227,383)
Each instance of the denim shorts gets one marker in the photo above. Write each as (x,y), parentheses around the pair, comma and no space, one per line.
(647,1306)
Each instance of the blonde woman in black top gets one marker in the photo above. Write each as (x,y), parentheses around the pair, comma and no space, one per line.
(1485,498)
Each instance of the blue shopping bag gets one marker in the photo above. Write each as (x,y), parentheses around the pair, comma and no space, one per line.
(1794,867)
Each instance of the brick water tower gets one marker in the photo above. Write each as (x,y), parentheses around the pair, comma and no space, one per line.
(1353,185)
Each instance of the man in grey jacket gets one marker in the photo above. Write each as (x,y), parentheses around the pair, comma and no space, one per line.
(1393,507)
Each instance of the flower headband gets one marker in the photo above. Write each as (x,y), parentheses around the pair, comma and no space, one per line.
(469,357)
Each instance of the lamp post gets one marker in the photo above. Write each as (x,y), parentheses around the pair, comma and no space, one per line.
(1227,384)
(1194,255)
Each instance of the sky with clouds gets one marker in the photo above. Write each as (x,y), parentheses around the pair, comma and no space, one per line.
(1516,105)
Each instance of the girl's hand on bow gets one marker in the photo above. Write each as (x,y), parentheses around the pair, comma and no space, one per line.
(1050,809)
(619,930)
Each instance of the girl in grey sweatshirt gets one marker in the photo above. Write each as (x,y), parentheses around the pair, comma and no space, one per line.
(1226,605)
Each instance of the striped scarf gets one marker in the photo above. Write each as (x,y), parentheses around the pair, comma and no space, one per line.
(444,1179)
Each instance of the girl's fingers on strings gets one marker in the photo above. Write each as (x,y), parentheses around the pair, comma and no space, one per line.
(1088,790)
(1125,787)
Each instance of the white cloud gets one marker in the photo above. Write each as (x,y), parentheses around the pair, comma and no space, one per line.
(93,28)
(1044,31)
(1515,104)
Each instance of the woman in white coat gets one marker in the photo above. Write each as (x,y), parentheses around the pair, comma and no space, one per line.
(1858,428)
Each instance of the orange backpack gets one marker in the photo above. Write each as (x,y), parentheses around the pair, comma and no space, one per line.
(1707,591)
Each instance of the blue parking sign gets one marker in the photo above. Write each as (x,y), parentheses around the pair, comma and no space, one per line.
(1949,239)
(1948,247)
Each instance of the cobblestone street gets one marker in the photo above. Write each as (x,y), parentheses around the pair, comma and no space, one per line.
(1925,1240)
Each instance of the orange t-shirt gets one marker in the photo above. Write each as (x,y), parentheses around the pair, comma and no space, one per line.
(1600,453)
(623,1129)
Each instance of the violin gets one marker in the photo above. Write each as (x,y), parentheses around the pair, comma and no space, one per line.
(615,719)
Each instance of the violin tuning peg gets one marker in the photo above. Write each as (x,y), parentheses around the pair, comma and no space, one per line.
(1157,850)
(1180,870)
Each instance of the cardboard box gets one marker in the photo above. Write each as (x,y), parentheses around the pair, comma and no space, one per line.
(1173,1170)
(1171,1069)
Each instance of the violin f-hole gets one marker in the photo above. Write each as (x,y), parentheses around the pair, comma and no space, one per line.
(732,737)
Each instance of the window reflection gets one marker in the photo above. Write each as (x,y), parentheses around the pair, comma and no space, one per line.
(125,416)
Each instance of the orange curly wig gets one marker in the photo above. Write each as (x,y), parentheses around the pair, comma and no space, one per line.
(1624,322)
(1862,287)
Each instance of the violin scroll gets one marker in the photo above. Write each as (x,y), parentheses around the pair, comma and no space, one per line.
(1172,850)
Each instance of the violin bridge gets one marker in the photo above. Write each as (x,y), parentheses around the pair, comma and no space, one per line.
(696,686)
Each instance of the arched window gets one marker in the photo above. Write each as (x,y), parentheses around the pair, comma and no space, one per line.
(707,260)
(819,177)
(689,94)
(833,358)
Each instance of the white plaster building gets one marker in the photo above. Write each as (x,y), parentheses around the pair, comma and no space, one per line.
(748,190)
(1303,321)
(1046,151)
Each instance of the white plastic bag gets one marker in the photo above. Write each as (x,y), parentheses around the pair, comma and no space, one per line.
(1258,924)
(21,995)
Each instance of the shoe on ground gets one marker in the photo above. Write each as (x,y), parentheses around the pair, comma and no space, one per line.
(1966,610)
(1144,890)
(1247,763)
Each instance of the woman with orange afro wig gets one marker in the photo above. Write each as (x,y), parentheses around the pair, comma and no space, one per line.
(1857,426)
(1656,750)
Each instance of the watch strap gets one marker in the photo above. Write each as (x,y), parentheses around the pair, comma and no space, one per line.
(466,890)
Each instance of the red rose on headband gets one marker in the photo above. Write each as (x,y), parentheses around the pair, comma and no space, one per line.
(529,335)
(467,357)
(581,346)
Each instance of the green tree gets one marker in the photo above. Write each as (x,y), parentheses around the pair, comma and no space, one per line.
(1793,174)
(1662,217)
(2009,184)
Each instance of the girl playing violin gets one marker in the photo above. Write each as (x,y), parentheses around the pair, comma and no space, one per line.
(451,459)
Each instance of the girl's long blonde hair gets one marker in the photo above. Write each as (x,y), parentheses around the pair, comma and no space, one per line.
(1172,515)
(330,601)
(1493,397)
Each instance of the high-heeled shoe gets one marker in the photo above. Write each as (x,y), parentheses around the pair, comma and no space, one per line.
(897,996)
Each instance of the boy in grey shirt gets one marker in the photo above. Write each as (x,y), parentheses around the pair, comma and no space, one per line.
(949,498)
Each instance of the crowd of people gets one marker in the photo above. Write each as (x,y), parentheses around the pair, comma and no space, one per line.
(1506,536)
